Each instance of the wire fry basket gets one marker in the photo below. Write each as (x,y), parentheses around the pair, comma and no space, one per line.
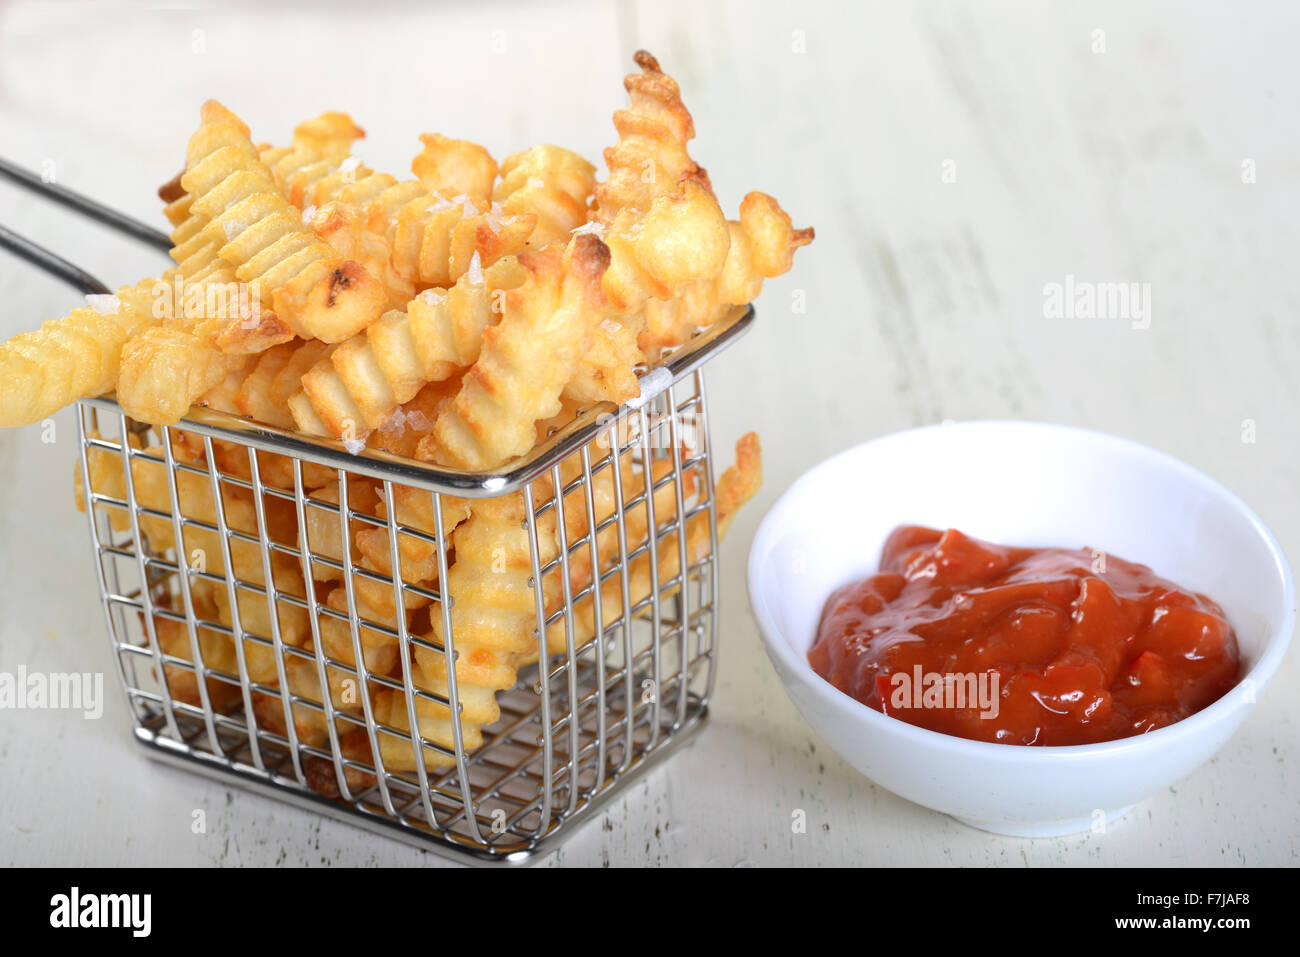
(623,657)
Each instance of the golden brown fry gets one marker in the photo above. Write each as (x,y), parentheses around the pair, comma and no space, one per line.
(526,358)
(316,293)
(736,486)
(289,379)
(378,648)
(319,146)
(763,243)
(415,510)
(551,183)
(662,223)
(365,379)
(658,214)
(495,613)
(206,282)
(216,650)
(70,358)
(166,369)
(248,390)
(526,324)
(607,372)
(404,429)
(434,239)
(345,229)
(303,682)
(255,614)
(478,709)
(494,617)
(650,156)
(319,143)
(324,537)
(451,167)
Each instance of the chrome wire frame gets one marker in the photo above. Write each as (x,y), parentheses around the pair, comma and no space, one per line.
(573,731)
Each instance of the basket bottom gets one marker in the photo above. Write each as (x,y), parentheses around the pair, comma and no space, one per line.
(449,844)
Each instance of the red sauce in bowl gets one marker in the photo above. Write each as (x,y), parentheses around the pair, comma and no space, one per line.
(1042,646)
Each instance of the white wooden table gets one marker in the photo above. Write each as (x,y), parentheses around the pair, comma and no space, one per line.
(954,159)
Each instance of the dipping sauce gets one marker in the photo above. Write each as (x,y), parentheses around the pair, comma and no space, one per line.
(1041,646)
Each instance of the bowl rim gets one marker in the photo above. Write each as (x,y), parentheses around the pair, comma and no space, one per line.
(1236,697)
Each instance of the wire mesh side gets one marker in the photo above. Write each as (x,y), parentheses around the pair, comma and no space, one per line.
(285,621)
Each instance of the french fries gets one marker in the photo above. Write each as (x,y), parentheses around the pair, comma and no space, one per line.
(74,357)
(525,360)
(361,383)
(457,319)
(449,167)
(316,294)
(763,243)
(550,183)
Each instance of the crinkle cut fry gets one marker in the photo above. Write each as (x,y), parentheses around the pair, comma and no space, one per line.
(737,485)
(607,372)
(663,225)
(319,146)
(655,197)
(202,548)
(165,369)
(347,230)
(285,382)
(401,433)
(550,183)
(436,240)
(376,606)
(526,359)
(372,586)
(433,239)
(373,598)
(260,390)
(216,649)
(247,390)
(309,722)
(650,157)
(364,381)
(73,357)
(490,578)
(450,167)
(414,507)
(494,618)
(763,243)
(315,293)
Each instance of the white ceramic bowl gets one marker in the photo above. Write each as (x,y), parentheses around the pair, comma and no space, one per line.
(1019,483)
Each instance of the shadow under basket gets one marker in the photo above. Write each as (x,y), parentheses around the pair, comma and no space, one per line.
(236,587)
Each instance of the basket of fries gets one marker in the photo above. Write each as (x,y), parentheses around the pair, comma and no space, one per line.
(224,652)
(401,493)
